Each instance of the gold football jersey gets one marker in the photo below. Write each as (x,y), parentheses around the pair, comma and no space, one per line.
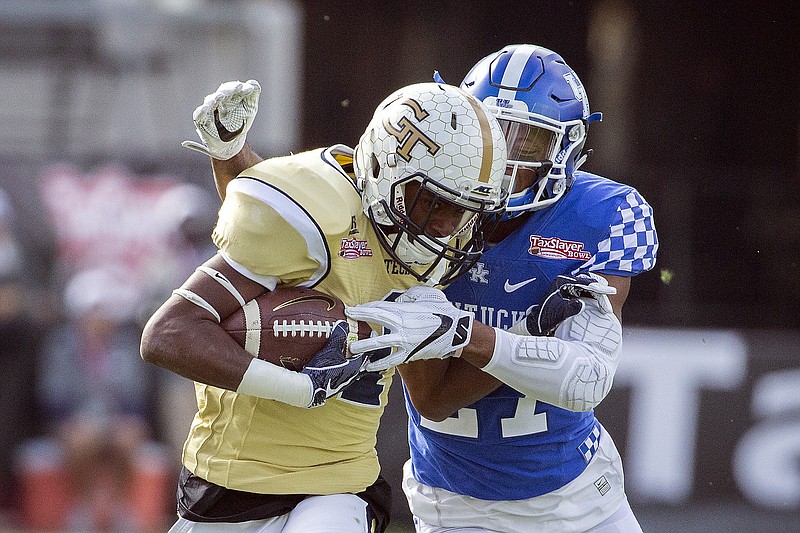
(297,220)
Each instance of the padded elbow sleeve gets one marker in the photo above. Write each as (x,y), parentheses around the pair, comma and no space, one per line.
(573,370)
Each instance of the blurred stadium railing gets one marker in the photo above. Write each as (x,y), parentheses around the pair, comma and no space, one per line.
(112,79)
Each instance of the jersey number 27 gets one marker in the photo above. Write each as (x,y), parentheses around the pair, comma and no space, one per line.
(526,421)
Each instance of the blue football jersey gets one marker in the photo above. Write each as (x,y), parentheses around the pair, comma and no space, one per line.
(507,446)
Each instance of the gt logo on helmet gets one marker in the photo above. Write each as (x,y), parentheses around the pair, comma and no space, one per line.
(408,135)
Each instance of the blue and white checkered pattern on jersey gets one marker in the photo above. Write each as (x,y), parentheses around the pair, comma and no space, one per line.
(590,444)
(632,243)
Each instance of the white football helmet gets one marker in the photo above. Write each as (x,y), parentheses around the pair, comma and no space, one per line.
(447,141)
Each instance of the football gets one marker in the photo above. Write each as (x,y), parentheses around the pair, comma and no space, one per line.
(289,325)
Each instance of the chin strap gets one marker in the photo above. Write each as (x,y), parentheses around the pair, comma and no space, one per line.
(582,159)
(594,117)
(436,277)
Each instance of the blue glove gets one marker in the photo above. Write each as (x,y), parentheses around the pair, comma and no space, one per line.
(564,299)
(330,371)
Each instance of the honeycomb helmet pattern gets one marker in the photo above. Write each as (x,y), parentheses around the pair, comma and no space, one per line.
(446,140)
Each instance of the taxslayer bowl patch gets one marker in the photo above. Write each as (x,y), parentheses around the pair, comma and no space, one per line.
(556,248)
(354,248)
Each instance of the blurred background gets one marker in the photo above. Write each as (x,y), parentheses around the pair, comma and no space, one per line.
(102,214)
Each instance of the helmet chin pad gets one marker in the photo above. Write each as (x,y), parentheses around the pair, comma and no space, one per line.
(410,250)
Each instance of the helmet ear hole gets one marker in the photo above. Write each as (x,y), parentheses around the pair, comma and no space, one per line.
(576,132)
(376,167)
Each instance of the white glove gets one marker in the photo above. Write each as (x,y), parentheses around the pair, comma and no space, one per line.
(224,118)
(419,324)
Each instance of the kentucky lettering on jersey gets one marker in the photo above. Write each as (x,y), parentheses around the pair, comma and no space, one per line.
(497,318)
(615,237)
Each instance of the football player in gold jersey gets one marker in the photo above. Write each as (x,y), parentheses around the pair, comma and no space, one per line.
(411,205)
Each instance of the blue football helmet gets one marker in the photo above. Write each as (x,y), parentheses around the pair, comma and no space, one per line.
(544,112)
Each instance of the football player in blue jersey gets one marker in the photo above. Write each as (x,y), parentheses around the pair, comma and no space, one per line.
(409,205)
(503,436)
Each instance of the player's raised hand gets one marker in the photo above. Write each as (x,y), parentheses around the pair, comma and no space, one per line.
(565,298)
(224,118)
(330,370)
(420,324)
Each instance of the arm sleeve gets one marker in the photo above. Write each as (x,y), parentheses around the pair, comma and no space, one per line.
(573,370)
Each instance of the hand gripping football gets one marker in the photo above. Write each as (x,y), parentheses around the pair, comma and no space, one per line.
(289,325)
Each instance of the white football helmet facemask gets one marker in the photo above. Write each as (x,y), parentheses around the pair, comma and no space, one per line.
(446,141)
